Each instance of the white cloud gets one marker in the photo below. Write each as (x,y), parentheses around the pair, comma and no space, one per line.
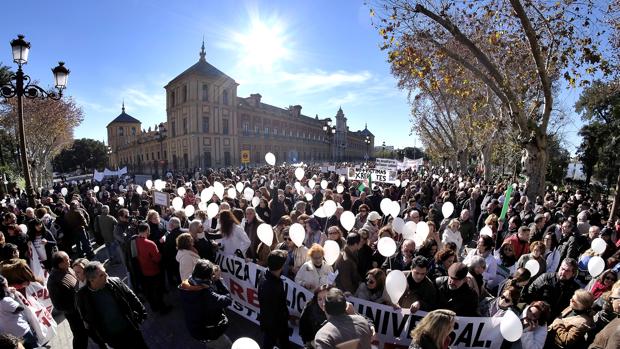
(347,99)
(143,98)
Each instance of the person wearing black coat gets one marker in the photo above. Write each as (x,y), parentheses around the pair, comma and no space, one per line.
(555,288)
(313,316)
(274,313)
(455,294)
(204,298)
(572,244)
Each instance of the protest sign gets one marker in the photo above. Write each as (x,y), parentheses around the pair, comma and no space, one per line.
(387,164)
(161,198)
(393,326)
(377,175)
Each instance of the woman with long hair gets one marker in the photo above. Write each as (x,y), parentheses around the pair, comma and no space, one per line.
(603,283)
(313,316)
(234,238)
(252,221)
(444,258)
(433,331)
(41,241)
(552,256)
(374,287)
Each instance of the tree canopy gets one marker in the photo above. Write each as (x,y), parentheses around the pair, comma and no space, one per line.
(85,153)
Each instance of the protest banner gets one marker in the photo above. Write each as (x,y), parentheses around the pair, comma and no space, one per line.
(411,163)
(377,175)
(393,326)
(387,164)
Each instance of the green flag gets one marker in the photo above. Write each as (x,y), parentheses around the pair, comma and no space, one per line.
(506,202)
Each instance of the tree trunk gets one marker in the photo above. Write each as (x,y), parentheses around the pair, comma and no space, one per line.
(485,155)
(534,161)
(616,203)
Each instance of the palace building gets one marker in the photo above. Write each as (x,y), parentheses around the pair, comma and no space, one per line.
(208,125)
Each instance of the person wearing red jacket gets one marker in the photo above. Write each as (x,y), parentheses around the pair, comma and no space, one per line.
(149,258)
(520,241)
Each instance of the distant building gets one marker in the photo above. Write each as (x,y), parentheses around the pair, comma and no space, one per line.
(208,125)
(575,171)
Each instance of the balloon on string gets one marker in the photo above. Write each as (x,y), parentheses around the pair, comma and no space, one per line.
(311,184)
(202,206)
(149,184)
(440,179)
(96,189)
(394,209)
(265,233)
(120,187)
(347,219)
(255,201)
(486,230)
(395,285)
(64,191)
(405,183)
(308,197)
(270,159)
(332,251)
(409,230)
(555,188)
(397,182)
(386,246)
(245,343)
(533,266)
(297,186)
(339,188)
(159,184)
(460,179)
(177,203)
(330,208)
(447,209)
(324,184)
(451,175)
(342,179)
(231,192)
(297,234)
(510,326)
(23,228)
(385,205)
(299,173)
(181,191)
(596,265)
(206,194)
(139,190)
(320,213)
(398,224)
(212,210)
(121,201)
(599,246)
(421,233)
(239,187)
(461,185)
(189,210)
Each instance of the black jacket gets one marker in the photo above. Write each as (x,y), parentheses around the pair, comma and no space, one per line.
(463,301)
(203,306)
(547,287)
(311,321)
(572,246)
(130,305)
(273,315)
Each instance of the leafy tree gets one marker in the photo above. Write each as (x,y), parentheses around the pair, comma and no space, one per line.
(517,49)
(85,153)
(559,158)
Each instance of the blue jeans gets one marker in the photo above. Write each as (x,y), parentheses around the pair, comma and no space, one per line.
(114,252)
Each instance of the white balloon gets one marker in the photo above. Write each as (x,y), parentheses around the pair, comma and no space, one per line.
(270,159)
(96,189)
(398,224)
(308,197)
(386,246)
(409,230)
(218,188)
(299,173)
(248,193)
(297,186)
(177,203)
(461,185)
(394,209)
(311,184)
(332,251)
(320,213)
(265,234)
(231,192)
(405,183)
(510,326)
(347,219)
(245,343)
(460,179)
(486,230)
(324,184)
(396,285)
(297,234)
(599,245)
(533,266)
(451,175)
(206,194)
(189,210)
(121,201)
(440,179)
(202,206)
(159,184)
(149,184)
(342,179)
(447,209)
(397,182)
(421,233)
(330,208)
(181,191)
(239,187)
(385,205)
(555,188)
(339,188)
(64,191)
(23,228)
(139,190)
(212,210)
(596,265)
(255,201)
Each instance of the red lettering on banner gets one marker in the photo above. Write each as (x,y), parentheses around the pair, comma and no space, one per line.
(237,289)
(253,297)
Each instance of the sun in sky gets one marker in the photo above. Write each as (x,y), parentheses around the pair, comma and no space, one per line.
(264,44)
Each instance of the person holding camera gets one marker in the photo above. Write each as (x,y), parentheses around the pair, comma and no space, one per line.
(204,298)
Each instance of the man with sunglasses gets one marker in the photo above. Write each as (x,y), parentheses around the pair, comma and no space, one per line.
(609,337)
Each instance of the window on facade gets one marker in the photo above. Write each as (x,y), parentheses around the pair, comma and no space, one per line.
(172,98)
(290,133)
(174,162)
(184,126)
(205,124)
(245,126)
(184,93)
(121,131)
(275,131)
(152,156)
(207,159)
(225,97)
(133,131)
(205,92)
(256,129)
(227,161)
(174,128)
(266,131)
(185,161)
(147,156)
(158,156)
(225,126)
(297,134)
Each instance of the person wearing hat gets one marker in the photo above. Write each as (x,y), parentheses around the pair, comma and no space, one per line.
(455,294)
(609,336)
(375,199)
(372,226)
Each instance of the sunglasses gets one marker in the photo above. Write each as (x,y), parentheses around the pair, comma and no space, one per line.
(286,238)
(370,281)
(610,278)
(506,299)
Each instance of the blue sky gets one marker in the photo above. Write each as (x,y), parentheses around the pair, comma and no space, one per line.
(324,54)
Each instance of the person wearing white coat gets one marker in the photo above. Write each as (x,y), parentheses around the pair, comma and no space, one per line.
(233,236)
(187,256)
(535,326)
(315,272)
(484,249)
(452,234)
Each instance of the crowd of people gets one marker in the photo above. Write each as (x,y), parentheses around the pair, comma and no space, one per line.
(474,262)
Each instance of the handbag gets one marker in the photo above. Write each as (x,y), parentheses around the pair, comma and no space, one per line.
(213,332)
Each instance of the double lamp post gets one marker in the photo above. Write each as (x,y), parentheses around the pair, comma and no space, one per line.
(20,86)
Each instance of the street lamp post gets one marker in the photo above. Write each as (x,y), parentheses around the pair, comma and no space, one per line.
(330,131)
(161,135)
(20,86)
(367,141)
